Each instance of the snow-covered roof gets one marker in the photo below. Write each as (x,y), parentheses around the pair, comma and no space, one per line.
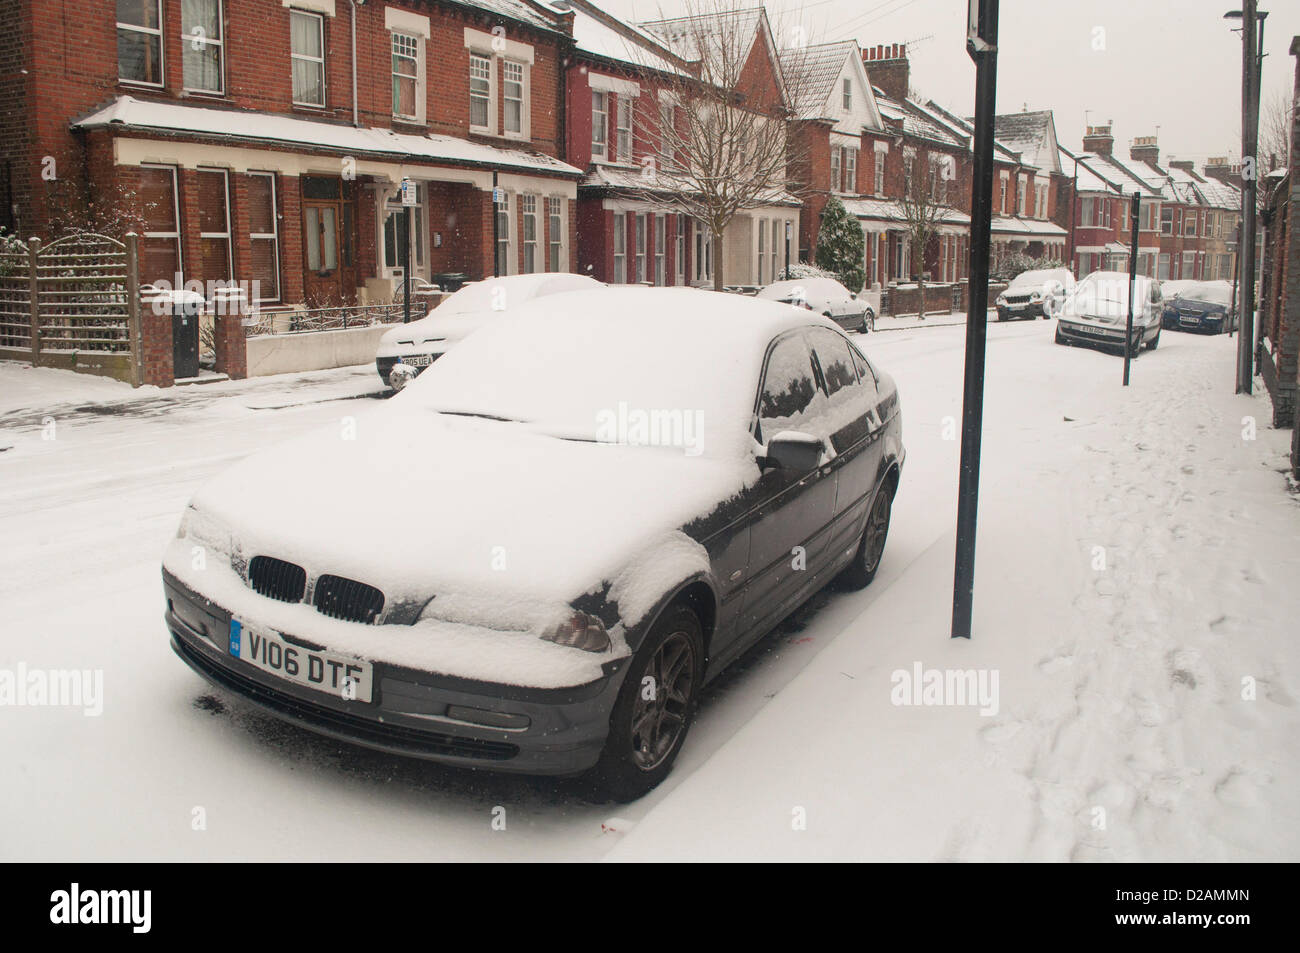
(604,35)
(126,112)
(917,121)
(891,210)
(515,10)
(684,34)
(643,180)
(1014,225)
(1032,135)
(1126,173)
(1087,178)
(812,74)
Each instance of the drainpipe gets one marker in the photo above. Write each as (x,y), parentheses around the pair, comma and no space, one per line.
(356,121)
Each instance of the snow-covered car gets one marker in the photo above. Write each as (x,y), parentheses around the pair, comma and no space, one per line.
(827,297)
(1097,312)
(1202,306)
(420,343)
(1172,288)
(1034,293)
(576,519)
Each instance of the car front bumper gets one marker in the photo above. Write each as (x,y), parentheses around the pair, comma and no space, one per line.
(419,362)
(552,731)
(1095,333)
(1033,309)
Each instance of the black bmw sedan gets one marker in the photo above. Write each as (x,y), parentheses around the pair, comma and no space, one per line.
(534,557)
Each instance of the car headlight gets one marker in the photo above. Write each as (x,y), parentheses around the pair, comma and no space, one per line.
(1001,299)
(579,630)
(1035,295)
(400,375)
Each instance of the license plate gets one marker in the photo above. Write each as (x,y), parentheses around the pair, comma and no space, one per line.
(1188,319)
(418,360)
(338,675)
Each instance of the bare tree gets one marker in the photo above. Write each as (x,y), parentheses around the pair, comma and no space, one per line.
(720,130)
(923,208)
(1275,130)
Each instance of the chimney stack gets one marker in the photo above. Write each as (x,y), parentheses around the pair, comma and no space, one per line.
(888,69)
(1220,168)
(1145,149)
(1099,140)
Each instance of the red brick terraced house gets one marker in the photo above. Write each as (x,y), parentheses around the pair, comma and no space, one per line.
(1038,189)
(1103,187)
(231,127)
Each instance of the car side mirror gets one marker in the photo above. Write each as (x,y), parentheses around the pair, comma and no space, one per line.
(794,450)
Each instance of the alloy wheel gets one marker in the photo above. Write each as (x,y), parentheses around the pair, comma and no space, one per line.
(658,721)
(873,547)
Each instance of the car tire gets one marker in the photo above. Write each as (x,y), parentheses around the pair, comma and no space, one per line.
(868,323)
(1154,341)
(871,548)
(634,760)
(1060,338)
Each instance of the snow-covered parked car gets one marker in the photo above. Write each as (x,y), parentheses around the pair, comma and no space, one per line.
(827,297)
(1034,293)
(1202,306)
(420,343)
(575,519)
(1097,312)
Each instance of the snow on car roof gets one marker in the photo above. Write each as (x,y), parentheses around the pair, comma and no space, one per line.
(782,289)
(496,294)
(562,361)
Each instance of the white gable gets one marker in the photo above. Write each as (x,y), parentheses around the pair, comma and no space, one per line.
(862,112)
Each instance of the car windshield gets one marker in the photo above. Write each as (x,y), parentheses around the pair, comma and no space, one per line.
(1109,288)
(819,288)
(1034,279)
(1209,292)
(500,294)
(573,372)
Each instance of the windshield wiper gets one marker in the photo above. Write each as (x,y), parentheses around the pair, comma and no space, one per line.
(471,413)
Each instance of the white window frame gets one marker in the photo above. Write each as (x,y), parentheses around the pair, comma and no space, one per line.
(1040,202)
(762,248)
(524,130)
(661,250)
(850,170)
(228,236)
(837,175)
(418,78)
(162,53)
(528,216)
(679,261)
(491,92)
(777,228)
(1022,193)
(219,43)
(640,247)
(847,90)
(881,152)
(176,214)
(624,151)
(507,239)
(273,236)
(601,96)
(555,234)
(620,248)
(1004,177)
(320,26)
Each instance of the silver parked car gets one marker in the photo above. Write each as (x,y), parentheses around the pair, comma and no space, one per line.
(828,298)
(1033,293)
(1097,312)
(417,345)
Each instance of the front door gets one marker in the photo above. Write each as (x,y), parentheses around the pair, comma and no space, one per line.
(329,273)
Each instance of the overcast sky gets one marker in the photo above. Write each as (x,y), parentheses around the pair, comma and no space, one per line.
(1171,64)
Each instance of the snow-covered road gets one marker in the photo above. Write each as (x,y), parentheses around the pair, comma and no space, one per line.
(1121,732)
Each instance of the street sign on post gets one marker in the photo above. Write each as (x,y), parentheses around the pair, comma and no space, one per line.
(408,193)
(982,45)
(1132,282)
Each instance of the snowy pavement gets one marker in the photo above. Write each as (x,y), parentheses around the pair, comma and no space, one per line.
(1121,729)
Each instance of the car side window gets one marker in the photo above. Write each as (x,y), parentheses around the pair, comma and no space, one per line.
(789,386)
(841,414)
(865,373)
